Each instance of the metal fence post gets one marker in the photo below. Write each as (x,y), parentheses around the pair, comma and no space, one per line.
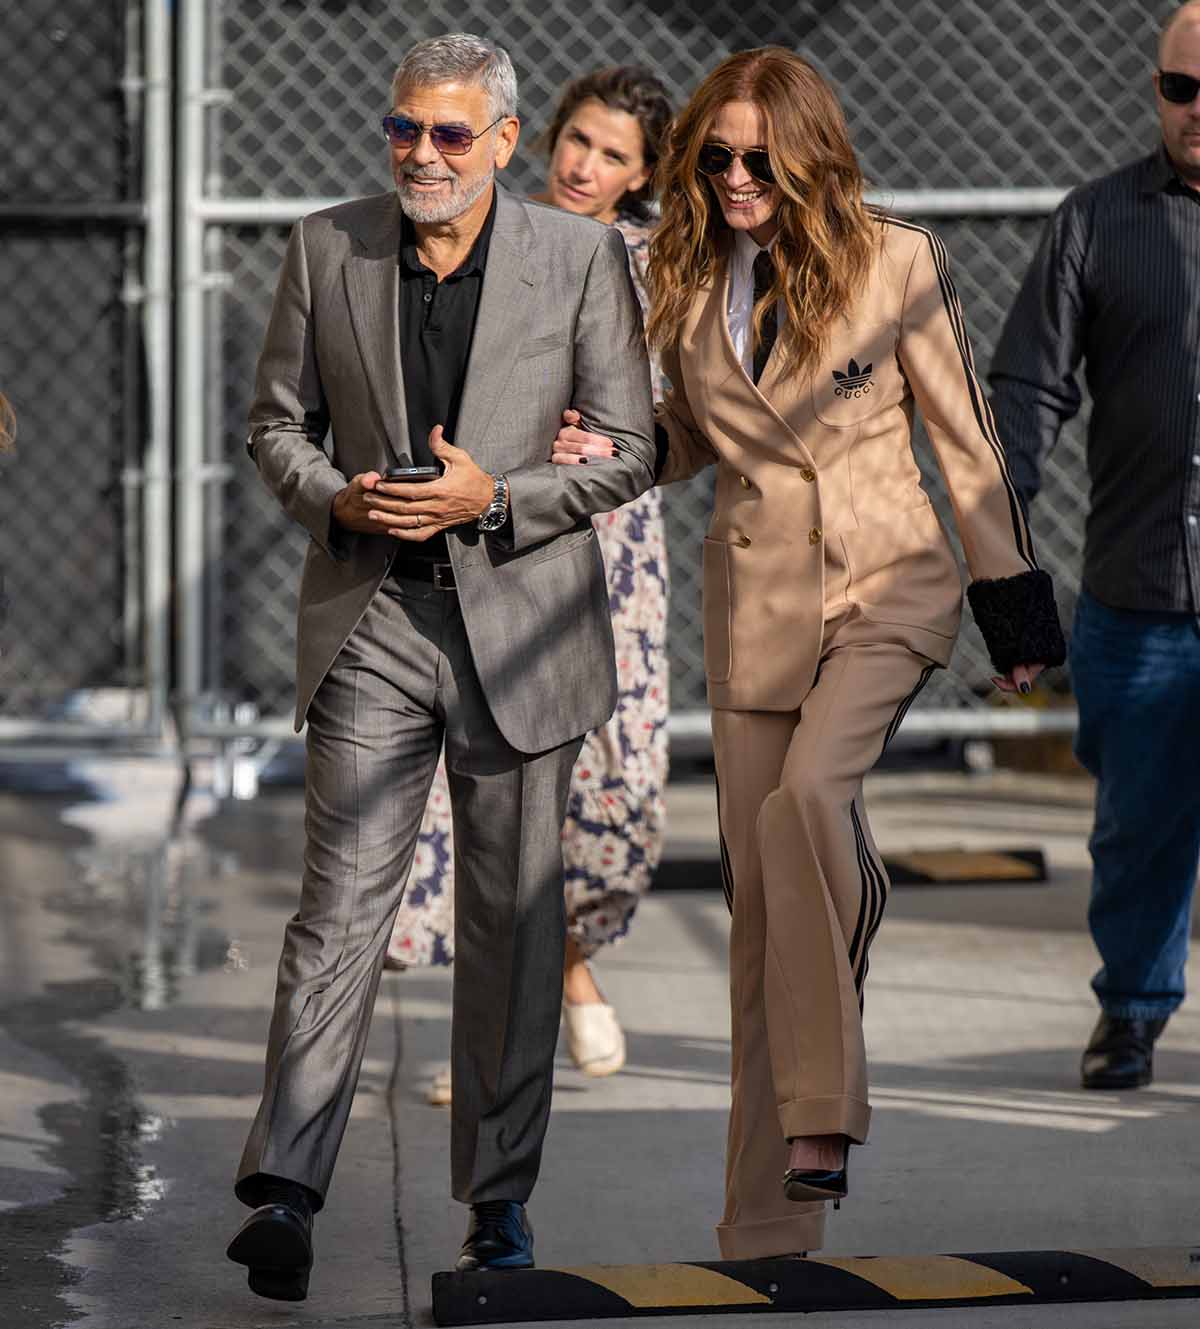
(156,331)
(86,279)
(189,363)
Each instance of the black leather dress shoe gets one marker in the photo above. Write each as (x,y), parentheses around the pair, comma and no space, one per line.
(275,1242)
(1120,1054)
(498,1237)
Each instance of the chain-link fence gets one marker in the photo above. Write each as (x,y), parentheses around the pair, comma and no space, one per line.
(968,115)
(82,546)
(1002,97)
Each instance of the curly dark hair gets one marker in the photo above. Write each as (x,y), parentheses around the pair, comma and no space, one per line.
(640,93)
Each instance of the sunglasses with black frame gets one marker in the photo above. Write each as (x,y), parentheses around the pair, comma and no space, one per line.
(1178,89)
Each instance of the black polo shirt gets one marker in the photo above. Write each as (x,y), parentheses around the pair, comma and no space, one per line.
(437,322)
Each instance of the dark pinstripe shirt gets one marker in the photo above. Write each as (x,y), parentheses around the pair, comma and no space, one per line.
(1116,284)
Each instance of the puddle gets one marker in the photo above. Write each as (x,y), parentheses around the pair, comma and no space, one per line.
(135,910)
(132,905)
(97,1144)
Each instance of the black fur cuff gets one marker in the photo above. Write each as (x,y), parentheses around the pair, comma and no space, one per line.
(1018,619)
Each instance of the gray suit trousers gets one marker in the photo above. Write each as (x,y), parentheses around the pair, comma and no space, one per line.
(404,683)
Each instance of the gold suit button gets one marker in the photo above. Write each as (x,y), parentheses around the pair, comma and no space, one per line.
(807,473)
(744,541)
(814,536)
(745,482)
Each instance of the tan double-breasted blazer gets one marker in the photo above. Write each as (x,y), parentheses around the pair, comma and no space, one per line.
(819,505)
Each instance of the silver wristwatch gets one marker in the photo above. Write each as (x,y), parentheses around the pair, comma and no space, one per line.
(496,513)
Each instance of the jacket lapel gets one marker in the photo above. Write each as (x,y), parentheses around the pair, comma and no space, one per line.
(774,392)
(372,280)
(502,326)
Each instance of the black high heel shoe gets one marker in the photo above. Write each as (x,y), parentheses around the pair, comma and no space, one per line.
(802,1184)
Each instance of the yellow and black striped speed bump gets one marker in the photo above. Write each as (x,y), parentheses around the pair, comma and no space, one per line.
(1018,1278)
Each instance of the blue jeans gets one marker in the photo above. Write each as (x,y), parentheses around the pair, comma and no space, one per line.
(1137,682)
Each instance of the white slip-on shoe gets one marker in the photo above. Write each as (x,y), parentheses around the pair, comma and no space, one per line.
(438,1093)
(595,1039)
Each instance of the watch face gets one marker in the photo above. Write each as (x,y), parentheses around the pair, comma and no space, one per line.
(496,512)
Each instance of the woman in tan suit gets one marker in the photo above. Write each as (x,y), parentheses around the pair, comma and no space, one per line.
(799,330)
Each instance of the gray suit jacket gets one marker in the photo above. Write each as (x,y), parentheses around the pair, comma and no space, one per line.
(558,325)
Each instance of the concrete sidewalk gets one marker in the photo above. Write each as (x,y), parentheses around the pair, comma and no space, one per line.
(136,990)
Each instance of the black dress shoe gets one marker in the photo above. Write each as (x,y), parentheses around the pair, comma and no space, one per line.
(276,1243)
(498,1237)
(803,1184)
(1120,1054)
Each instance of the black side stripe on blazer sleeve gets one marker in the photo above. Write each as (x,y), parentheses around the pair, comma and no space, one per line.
(979,403)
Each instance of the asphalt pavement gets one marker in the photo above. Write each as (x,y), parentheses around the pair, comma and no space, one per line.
(139,943)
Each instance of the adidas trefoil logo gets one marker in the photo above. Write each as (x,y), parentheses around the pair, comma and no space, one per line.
(855,382)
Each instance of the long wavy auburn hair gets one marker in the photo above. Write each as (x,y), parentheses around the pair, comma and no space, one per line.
(826,240)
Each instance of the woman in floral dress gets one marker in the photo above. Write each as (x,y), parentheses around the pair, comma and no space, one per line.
(603,143)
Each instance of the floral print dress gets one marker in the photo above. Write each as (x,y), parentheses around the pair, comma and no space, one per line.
(612,837)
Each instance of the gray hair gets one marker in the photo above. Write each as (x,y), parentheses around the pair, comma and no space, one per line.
(460,57)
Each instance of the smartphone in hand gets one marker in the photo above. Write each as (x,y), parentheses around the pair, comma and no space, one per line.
(407,475)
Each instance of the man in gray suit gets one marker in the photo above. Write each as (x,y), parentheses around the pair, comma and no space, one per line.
(454,322)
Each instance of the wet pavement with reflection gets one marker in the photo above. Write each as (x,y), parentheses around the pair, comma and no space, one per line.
(125,907)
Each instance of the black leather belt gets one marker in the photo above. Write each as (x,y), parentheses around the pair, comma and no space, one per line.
(439,575)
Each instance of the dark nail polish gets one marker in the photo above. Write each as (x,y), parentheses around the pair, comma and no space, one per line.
(583,461)
(1025,687)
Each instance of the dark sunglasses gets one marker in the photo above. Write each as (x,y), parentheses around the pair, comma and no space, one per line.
(716,159)
(1178,88)
(449,140)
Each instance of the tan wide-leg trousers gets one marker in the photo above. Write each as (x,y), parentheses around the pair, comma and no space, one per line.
(807,891)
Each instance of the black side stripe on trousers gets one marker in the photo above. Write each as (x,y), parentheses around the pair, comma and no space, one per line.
(726,865)
(871,902)
(898,719)
(882,885)
(979,402)
(874,886)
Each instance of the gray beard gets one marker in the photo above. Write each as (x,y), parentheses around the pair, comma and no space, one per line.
(431,211)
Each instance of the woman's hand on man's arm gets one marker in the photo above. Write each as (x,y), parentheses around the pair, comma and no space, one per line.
(573,446)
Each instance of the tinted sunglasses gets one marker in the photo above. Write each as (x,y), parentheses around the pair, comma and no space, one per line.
(716,159)
(449,140)
(1178,88)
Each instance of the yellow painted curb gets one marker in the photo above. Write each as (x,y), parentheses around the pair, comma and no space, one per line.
(952,865)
